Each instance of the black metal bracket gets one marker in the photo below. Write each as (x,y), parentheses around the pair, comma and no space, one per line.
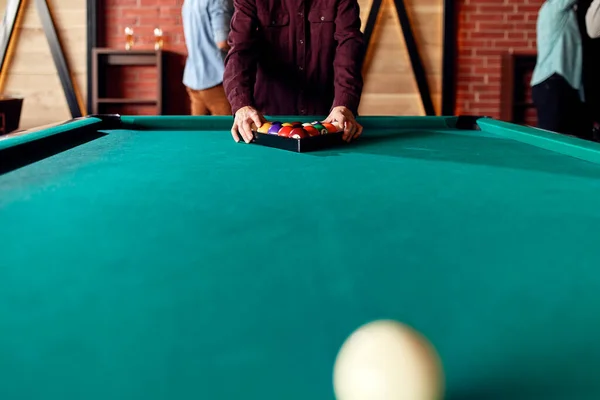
(449,58)
(411,45)
(371,20)
(59,57)
(7,29)
(92,42)
(7,35)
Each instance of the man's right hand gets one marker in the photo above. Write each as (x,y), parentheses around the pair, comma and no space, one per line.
(246,118)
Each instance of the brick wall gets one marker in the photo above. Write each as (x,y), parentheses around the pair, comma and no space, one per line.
(140,82)
(487,28)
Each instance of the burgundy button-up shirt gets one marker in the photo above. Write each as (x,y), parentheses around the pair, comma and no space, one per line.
(295,57)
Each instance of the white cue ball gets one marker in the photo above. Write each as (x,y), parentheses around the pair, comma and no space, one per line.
(386,360)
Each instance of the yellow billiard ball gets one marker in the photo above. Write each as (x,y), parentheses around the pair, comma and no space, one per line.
(264,128)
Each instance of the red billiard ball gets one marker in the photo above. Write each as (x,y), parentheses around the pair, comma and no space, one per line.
(298,133)
(285,131)
(312,131)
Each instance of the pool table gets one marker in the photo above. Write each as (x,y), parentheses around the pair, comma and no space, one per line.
(154,258)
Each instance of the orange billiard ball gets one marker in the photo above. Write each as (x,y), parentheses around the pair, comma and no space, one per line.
(331,128)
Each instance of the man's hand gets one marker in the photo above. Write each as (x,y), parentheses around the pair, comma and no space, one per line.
(344,119)
(223,46)
(246,119)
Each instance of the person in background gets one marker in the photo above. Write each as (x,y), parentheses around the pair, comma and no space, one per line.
(557,81)
(592,20)
(206,27)
(295,57)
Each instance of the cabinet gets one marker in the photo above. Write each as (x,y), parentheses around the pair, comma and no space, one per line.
(112,73)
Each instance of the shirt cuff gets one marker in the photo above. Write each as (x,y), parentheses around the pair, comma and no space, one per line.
(349,101)
(221,35)
(238,100)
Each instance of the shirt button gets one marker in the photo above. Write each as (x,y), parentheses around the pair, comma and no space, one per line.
(300,67)
(322,18)
(301,14)
(302,112)
(301,41)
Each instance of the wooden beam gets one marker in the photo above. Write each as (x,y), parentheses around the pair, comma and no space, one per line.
(7,29)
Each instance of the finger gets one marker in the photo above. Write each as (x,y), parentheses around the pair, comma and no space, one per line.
(347,130)
(354,130)
(335,116)
(247,131)
(353,134)
(359,130)
(256,119)
(234,132)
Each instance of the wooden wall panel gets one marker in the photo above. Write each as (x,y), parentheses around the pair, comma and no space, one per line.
(390,86)
(31,73)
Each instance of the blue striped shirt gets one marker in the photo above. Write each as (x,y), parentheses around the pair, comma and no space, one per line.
(205,22)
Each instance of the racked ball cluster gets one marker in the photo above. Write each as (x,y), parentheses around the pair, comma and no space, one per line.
(297,130)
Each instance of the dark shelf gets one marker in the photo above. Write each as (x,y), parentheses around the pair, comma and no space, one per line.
(516,66)
(127,101)
(104,58)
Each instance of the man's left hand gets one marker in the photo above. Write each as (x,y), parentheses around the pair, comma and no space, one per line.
(344,118)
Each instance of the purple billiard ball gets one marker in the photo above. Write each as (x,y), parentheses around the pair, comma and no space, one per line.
(274,129)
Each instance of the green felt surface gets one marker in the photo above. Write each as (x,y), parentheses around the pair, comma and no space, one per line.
(176,264)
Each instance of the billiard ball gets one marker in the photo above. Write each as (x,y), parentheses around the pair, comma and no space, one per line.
(285,131)
(330,127)
(322,130)
(286,124)
(311,130)
(387,360)
(264,128)
(307,124)
(274,128)
(298,133)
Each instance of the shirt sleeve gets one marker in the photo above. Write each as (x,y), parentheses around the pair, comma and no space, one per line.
(240,62)
(592,20)
(349,56)
(220,16)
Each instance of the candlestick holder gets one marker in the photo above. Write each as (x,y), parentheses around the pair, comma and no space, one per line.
(128,38)
(158,39)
